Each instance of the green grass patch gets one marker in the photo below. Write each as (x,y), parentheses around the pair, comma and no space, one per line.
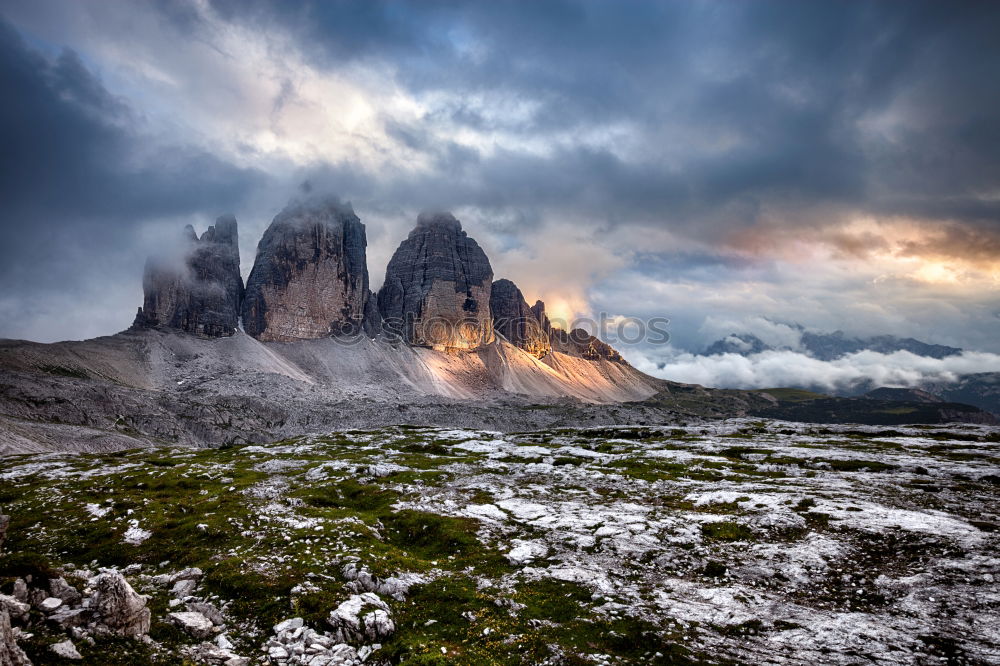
(430,536)
(725,531)
(351,495)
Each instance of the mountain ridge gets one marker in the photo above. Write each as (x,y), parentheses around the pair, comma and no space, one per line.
(441,344)
(828,346)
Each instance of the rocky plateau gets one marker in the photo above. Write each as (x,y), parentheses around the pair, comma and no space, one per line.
(725,542)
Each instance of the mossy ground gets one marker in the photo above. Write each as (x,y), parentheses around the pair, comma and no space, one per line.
(632,525)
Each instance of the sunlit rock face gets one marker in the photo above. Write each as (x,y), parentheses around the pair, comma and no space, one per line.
(310,277)
(514,320)
(577,342)
(437,287)
(197,287)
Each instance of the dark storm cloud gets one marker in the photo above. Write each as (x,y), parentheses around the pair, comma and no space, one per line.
(735,108)
(798,89)
(77,173)
(731,125)
(78,181)
(71,148)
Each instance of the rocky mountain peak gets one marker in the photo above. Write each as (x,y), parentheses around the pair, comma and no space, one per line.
(443,221)
(310,280)
(437,287)
(518,323)
(826,346)
(197,287)
(582,344)
(310,276)
(538,310)
(223,232)
(530,329)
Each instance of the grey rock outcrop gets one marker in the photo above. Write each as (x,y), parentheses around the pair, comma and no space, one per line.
(310,277)
(197,288)
(11,653)
(209,653)
(191,573)
(295,643)
(353,624)
(50,604)
(360,580)
(437,287)
(17,610)
(66,618)
(514,320)
(59,588)
(193,623)
(120,611)
(209,611)
(65,650)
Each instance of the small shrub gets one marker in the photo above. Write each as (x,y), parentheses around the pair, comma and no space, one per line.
(805,504)
(715,569)
(725,531)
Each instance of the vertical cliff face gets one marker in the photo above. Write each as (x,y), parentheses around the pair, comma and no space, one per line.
(198,289)
(437,287)
(310,277)
(514,320)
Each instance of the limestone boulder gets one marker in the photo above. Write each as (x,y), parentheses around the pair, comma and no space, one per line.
(118,608)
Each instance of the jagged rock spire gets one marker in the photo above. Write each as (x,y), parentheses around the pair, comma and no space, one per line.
(531,330)
(198,288)
(437,287)
(310,277)
(515,321)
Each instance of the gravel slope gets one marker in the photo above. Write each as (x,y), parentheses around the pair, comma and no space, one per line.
(142,388)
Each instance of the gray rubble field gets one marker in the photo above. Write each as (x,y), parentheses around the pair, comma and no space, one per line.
(738,541)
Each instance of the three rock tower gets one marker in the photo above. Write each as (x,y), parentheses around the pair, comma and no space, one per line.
(310,280)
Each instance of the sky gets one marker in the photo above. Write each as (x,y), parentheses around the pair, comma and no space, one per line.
(720,164)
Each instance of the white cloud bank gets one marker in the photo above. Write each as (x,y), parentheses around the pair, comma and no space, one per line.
(787,368)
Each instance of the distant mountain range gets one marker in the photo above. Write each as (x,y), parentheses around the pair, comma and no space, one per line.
(830,346)
(981,389)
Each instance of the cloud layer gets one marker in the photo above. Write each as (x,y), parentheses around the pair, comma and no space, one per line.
(774,369)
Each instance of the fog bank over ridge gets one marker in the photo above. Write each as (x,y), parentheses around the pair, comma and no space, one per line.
(771,369)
